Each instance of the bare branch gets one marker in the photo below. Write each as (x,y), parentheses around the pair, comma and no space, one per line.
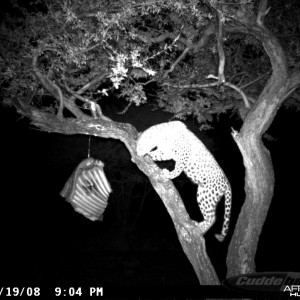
(262,12)
(187,42)
(198,86)
(94,107)
(88,49)
(205,36)
(246,102)
(181,56)
(50,86)
(172,35)
(125,109)
(190,86)
(255,80)
(89,85)
(221,76)
(54,90)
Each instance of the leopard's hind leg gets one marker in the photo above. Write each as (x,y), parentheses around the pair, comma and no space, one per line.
(208,208)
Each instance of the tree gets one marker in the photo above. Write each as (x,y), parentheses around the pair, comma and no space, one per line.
(180,53)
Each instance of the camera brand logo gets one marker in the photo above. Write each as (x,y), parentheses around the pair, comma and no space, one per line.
(286,282)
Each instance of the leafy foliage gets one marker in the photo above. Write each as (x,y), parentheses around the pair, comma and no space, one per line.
(132,43)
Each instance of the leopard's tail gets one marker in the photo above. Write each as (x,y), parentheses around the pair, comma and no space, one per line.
(228,197)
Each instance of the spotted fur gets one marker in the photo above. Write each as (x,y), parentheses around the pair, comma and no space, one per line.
(173,140)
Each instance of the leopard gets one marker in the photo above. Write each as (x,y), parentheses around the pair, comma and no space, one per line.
(174,141)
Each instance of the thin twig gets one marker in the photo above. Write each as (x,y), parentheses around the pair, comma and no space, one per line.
(255,80)
(181,56)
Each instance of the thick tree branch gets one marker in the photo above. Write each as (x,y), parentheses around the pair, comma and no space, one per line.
(102,128)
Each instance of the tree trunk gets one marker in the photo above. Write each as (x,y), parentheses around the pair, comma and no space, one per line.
(259,187)
(259,178)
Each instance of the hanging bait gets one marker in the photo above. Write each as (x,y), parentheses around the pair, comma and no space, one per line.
(88,189)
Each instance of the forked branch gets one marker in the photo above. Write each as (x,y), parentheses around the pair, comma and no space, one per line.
(49,85)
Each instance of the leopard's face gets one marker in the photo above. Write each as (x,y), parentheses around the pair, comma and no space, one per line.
(157,138)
